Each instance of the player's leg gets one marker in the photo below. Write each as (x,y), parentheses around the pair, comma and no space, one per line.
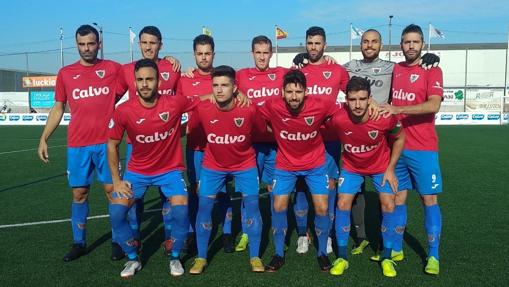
(247,181)
(348,185)
(283,184)
(194,159)
(135,214)
(317,181)
(224,204)
(358,210)
(80,171)
(332,155)
(301,210)
(211,182)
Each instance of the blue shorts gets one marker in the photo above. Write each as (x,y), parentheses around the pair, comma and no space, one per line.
(214,181)
(350,182)
(419,170)
(171,183)
(316,179)
(82,161)
(265,160)
(194,160)
(332,154)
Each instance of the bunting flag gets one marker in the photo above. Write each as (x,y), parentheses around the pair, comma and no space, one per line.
(280,33)
(356,32)
(206,31)
(435,33)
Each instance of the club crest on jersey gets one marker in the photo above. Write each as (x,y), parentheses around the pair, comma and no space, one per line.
(238,122)
(327,74)
(373,134)
(100,73)
(376,70)
(413,78)
(309,120)
(164,116)
(272,77)
(165,76)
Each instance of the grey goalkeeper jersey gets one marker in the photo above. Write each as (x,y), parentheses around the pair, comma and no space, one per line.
(378,73)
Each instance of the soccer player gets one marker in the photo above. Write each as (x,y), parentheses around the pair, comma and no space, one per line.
(198,84)
(88,86)
(150,44)
(323,79)
(416,98)
(152,122)
(296,120)
(229,152)
(366,153)
(258,84)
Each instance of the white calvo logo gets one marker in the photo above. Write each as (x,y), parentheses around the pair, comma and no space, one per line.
(157,136)
(165,75)
(100,73)
(373,134)
(297,136)
(413,78)
(164,116)
(263,92)
(327,74)
(226,139)
(359,149)
(90,92)
(238,121)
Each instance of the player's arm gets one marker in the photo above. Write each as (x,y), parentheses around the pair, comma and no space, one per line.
(430,106)
(122,188)
(397,147)
(174,62)
(54,118)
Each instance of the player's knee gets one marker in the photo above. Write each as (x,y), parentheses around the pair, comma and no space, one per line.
(429,200)
(344,204)
(321,209)
(80,195)
(388,205)
(401,197)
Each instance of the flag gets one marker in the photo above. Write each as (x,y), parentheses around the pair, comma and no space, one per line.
(132,36)
(280,34)
(206,31)
(356,33)
(435,33)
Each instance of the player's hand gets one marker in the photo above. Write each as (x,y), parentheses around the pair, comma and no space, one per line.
(243,100)
(189,73)
(429,60)
(387,110)
(374,110)
(390,177)
(300,60)
(123,189)
(330,60)
(42,151)
(175,63)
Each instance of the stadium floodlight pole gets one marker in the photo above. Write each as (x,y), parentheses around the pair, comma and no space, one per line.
(100,38)
(390,31)
(61,47)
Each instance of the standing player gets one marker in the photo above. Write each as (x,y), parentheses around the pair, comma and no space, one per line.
(152,122)
(366,153)
(323,79)
(88,86)
(416,98)
(228,152)
(199,84)
(258,84)
(296,120)
(150,45)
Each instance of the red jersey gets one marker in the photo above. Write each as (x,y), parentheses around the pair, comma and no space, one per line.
(168,79)
(412,85)
(228,135)
(300,145)
(199,85)
(154,133)
(365,147)
(257,86)
(90,92)
(326,80)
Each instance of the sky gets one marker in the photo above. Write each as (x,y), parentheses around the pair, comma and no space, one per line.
(30,30)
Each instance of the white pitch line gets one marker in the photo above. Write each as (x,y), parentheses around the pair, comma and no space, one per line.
(31,149)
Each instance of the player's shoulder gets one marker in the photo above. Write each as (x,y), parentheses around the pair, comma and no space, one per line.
(71,68)
(111,64)
(165,66)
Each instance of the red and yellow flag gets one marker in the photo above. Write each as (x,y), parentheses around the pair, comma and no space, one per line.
(280,33)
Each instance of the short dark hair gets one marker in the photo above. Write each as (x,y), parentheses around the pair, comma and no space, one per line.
(151,30)
(316,31)
(358,84)
(294,77)
(262,39)
(412,28)
(84,30)
(224,71)
(146,63)
(373,30)
(203,40)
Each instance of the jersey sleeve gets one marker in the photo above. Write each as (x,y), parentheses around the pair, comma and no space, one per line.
(60,95)
(263,108)
(121,86)
(435,83)
(345,77)
(116,126)
(332,107)
(187,103)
